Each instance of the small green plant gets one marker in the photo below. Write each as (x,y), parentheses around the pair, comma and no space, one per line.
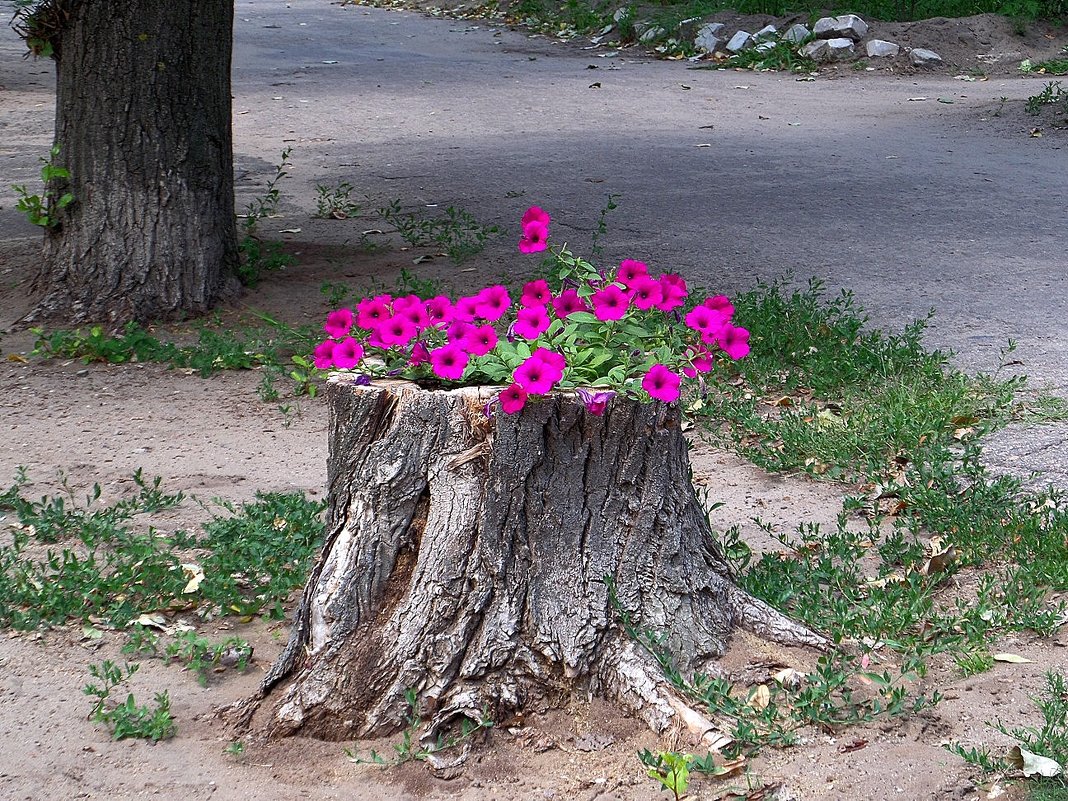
(42,209)
(236,748)
(782,55)
(457,234)
(335,202)
(201,655)
(1051,93)
(127,719)
(258,255)
(1053,66)
(410,748)
(670,769)
(969,663)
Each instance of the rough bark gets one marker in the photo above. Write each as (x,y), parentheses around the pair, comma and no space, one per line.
(489,564)
(143,125)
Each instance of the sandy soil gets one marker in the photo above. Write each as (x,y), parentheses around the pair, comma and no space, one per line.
(214,438)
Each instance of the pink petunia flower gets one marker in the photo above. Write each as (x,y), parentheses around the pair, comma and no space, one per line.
(372,312)
(554,360)
(492,302)
(459,331)
(536,293)
(513,399)
(420,355)
(416,314)
(535,214)
(338,323)
(735,342)
(610,303)
(535,376)
(479,341)
(324,354)
(466,309)
(629,270)
(347,354)
(569,302)
(662,384)
(700,362)
(673,291)
(646,292)
(535,237)
(439,310)
(403,302)
(449,361)
(705,320)
(722,304)
(530,321)
(396,331)
(596,401)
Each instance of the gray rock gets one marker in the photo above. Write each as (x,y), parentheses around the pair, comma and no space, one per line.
(620,14)
(763,47)
(877,48)
(707,39)
(923,58)
(846,25)
(839,49)
(796,33)
(766,34)
(816,50)
(742,40)
(651,34)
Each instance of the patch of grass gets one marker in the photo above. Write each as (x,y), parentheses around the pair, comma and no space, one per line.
(201,655)
(335,202)
(456,233)
(780,56)
(61,561)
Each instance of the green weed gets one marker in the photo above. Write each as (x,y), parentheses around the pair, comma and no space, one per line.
(457,234)
(42,209)
(335,202)
(260,256)
(127,719)
(201,655)
(1051,93)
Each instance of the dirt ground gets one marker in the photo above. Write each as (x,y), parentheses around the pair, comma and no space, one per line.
(215,438)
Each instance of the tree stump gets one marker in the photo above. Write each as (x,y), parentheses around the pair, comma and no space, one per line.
(488,564)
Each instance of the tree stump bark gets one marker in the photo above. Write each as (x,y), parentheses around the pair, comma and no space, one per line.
(488,563)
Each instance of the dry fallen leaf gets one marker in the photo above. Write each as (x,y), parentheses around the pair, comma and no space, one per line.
(1013,658)
(1032,764)
(196,575)
(760,698)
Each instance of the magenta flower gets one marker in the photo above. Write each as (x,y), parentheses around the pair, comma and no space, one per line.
(459,331)
(554,360)
(415,313)
(569,302)
(531,321)
(673,291)
(439,310)
(646,292)
(403,302)
(449,361)
(535,237)
(324,354)
(596,401)
(372,312)
(513,399)
(420,355)
(535,376)
(338,323)
(629,270)
(735,341)
(706,321)
(479,341)
(536,293)
(610,303)
(662,384)
(535,214)
(722,304)
(466,309)
(347,354)
(492,302)
(396,331)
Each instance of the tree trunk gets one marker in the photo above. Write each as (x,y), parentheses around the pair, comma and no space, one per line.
(492,564)
(143,126)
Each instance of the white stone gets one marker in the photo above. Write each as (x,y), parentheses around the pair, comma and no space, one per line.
(621,14)
(846,25)
(839,49)
(763,47)
(921,58)
(816,50)
(707,40)
(742,40)
(878,48)
(767,33)
(649,33)
(796,33)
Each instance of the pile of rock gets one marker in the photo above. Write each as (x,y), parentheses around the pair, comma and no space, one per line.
(831,39)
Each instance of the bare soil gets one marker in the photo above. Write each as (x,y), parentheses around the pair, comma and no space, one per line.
(215,438)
